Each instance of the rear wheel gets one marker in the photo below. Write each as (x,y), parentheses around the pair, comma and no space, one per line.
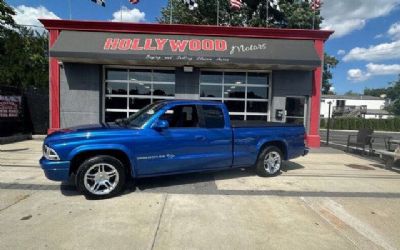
(269,161)
(101,177)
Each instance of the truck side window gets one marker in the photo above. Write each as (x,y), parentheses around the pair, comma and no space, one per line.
(213,116)
(181,116)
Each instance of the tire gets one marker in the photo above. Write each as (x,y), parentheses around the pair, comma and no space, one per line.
(269,162)
(101,177)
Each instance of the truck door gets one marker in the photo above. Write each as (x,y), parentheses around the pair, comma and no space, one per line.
(185,145)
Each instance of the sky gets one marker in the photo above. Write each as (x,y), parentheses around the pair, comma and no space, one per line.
(366,40)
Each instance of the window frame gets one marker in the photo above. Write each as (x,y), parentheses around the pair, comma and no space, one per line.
(150,97)
(222,99)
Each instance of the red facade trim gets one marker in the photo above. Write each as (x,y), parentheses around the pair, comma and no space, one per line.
(313,137)
(318,36)
(185,29)
(54,87)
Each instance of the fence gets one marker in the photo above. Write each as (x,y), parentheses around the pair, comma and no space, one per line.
(23,111)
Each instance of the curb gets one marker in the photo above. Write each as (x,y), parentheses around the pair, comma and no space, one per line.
(38,137)
(15,138)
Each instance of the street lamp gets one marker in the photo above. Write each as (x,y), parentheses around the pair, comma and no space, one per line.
(329,123)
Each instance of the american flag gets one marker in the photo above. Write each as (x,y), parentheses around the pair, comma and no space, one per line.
(315,4)
(191,4)
(100,2)
(134,1)
(236,4)
(275,4)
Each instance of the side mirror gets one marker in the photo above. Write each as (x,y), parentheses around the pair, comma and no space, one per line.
(160,125)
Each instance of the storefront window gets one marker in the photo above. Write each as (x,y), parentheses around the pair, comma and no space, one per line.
(246,94)
(128,90)
(116,88)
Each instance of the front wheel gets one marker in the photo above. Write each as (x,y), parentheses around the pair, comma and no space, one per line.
(269,162)
(101,177)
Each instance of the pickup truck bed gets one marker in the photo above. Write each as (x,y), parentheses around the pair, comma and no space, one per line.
(260,124)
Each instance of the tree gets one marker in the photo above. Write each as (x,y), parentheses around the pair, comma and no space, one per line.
(6,13)
(293,14)
(392,94)
(330,62)
(23,59)
(351,93)
(375,92)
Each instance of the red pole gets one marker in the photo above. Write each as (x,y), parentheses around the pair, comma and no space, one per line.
(54,86)
(313,137)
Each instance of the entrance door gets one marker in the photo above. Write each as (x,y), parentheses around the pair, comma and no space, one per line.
(296,108)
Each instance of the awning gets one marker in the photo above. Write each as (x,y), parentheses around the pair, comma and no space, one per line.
(174,50)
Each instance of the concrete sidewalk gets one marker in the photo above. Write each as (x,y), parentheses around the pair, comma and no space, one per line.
(326,200)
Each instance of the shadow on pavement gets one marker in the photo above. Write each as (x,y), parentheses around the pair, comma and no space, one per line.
(204,183)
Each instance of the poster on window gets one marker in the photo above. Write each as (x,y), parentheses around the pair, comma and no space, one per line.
(10,106)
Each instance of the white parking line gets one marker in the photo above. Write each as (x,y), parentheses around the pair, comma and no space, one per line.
(338,217)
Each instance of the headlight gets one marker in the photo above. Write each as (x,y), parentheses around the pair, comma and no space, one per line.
(50,154)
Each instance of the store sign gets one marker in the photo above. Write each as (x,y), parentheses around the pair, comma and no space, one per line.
(182,49)
(10,106)
(174,45)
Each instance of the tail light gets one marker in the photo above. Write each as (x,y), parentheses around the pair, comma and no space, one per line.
(305,139)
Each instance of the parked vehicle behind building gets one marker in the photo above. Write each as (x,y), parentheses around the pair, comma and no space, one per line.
(167,137)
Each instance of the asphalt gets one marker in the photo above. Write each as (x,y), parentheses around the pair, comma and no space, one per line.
(326,200)
(340,137)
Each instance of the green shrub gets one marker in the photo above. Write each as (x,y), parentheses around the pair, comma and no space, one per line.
(350,123)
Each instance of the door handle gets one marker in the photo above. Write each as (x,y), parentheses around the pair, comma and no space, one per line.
(200,138)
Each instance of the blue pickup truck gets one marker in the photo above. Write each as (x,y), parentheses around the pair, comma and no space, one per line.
(166,137)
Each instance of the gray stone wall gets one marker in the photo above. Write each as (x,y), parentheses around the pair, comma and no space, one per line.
(80,94)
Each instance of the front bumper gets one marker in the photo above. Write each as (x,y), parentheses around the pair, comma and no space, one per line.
(55,170)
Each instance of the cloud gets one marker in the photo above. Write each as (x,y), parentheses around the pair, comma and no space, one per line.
(341,52)
(357,75)
(345,17)
(129,15)
(383,69)
(383,51)
(394,31)
(26,15)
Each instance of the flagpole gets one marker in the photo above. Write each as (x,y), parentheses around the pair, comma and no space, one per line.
(313,19)
(217,12)
(266,8)
(120,5)
(70,15)
(170,11)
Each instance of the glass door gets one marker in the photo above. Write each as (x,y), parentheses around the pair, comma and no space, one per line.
(296,110)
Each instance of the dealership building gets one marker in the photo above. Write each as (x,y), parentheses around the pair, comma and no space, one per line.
(101,71)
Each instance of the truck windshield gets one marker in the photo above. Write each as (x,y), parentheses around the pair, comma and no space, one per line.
(142,116)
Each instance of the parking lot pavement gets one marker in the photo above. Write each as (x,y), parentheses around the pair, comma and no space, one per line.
(326,200)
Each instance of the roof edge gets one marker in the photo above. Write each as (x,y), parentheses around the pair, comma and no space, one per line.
(186,29)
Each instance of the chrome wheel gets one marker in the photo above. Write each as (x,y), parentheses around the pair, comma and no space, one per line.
(101,179)
(272,162)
